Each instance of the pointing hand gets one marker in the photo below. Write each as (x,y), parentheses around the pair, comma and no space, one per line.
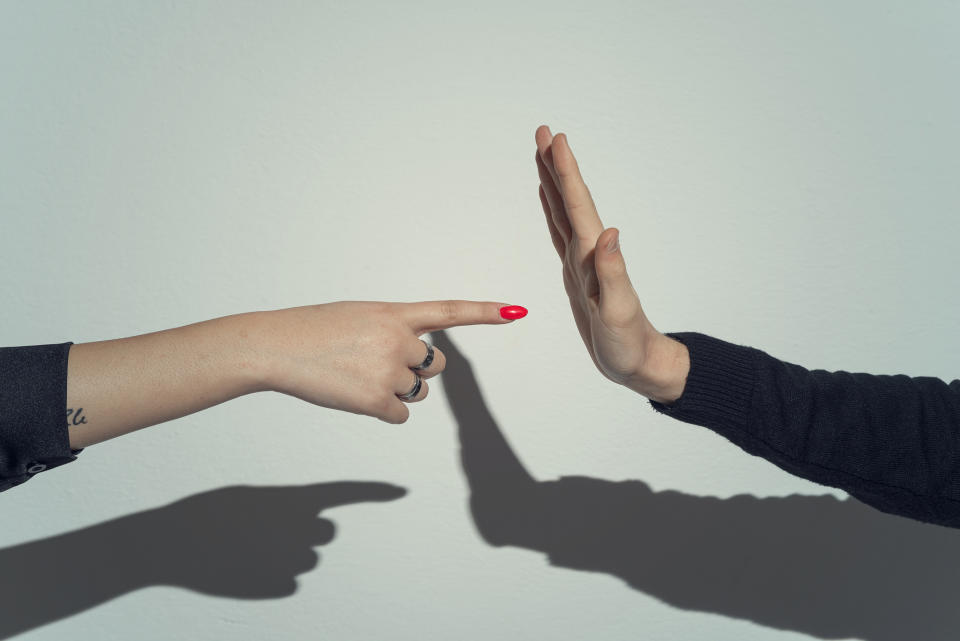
(356,356)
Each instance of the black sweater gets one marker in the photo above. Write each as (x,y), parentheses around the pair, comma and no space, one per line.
(33,416)
(890,441)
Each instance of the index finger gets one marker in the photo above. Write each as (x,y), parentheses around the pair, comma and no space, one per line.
(577,200)
(315,497)
(346,492)
(430,316)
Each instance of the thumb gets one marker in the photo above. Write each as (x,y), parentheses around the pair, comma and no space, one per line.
(618,300)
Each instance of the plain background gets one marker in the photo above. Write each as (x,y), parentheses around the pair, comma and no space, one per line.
(783,175)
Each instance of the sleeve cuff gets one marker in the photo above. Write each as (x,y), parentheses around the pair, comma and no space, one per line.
(33,424)
(719,385)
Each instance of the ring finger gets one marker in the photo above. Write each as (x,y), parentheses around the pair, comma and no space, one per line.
(407,383)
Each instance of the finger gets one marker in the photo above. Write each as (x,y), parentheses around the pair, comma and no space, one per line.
(417,353)
(347,492)
(407,383)
(558,242)
(429,316)
(577,201)
(321,531)
(618,299)
(545,148)
(554,201)
(319,496)
(393,410)
(550,181)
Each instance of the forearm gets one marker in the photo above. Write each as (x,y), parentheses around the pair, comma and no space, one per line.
(891,441)
(118,386)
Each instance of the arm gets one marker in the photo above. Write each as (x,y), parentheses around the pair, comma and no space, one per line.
(354,356)
(33,432)
(118,386)
(891,441)
(57,399)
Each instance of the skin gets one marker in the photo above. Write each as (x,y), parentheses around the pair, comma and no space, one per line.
(621,340)
(356,356)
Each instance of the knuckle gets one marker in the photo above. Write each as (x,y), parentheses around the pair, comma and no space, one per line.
(406,375)
(385,308)
(395,350)
(381,405)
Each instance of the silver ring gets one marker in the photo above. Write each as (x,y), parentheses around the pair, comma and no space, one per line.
(416,389)
(429,359)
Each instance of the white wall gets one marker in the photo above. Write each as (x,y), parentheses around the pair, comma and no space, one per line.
(783,174)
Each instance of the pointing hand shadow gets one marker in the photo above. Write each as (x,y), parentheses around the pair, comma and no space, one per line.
(241,541)
(813,564)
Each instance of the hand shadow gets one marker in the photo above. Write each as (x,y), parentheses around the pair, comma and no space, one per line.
(812,564)
(241,541)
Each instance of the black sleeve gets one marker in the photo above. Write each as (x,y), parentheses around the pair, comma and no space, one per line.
(33,416)
(891,441)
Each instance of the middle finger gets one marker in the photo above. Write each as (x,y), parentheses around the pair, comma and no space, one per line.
(577,202)
(417,353)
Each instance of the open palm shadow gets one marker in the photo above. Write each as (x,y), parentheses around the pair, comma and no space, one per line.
(241,541)
(813,564)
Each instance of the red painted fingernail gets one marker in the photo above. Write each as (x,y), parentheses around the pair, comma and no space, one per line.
(513,312)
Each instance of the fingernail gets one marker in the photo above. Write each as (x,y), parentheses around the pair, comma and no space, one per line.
(614,244)
(513,312)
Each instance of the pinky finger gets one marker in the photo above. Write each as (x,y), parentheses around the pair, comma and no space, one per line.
(395,413)
(558,243)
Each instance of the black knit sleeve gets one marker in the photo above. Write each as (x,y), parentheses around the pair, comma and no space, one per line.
(33,417)
(891,441)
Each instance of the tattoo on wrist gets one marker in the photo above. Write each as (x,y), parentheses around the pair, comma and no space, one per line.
(75,417)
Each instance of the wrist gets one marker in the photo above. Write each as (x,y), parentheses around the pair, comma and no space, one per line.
(247,358)
(664,375)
